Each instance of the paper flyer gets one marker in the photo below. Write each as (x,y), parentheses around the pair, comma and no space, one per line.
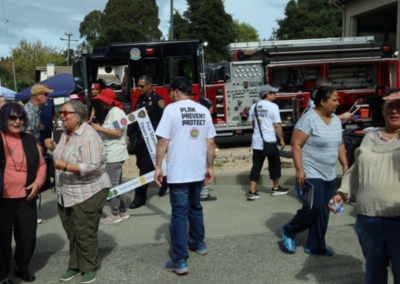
(305,194)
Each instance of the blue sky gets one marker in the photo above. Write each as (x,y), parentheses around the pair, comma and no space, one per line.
(48,20)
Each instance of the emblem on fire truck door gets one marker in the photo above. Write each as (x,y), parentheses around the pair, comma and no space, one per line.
(135,53)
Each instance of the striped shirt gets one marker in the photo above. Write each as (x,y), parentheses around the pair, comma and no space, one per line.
(85,149)
(33,114)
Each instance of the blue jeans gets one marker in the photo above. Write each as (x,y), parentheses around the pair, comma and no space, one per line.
(315,219)
(380,242)
(185,203)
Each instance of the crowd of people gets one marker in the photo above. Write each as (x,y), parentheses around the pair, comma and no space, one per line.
(89,157)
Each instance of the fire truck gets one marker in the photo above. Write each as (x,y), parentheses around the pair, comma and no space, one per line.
(356,66)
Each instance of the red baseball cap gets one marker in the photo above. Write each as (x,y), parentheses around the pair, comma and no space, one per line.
(96,86)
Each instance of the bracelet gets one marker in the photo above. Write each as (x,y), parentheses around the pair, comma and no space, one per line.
(65,167)
(342,195)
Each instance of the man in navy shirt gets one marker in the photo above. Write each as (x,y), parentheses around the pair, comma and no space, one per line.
(47,116)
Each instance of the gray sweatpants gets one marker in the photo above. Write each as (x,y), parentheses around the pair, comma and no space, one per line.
(114,171)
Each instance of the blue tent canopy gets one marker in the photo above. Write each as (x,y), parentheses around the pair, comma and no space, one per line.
(62,84)
(8,94)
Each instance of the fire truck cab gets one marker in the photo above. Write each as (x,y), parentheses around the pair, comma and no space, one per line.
(162,60)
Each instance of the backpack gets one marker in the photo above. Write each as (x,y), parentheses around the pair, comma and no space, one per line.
(49,182)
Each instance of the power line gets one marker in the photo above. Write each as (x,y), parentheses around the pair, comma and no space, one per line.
(69,40)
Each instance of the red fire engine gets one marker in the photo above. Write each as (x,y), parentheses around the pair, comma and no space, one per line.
(355,65)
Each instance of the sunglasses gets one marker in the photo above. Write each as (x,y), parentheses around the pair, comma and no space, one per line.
(65,113)
(15,117)
(142,86)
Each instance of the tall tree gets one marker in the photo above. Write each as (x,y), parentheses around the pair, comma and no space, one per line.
(309,19)
(90,27)
(126,21)
(207,21)
(28,55)
(245,32)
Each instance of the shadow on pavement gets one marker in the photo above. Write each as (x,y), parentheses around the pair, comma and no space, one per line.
(334,272)
(111,245)
(48,209)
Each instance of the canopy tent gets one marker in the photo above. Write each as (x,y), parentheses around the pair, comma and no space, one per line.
(8,94)
(62,84)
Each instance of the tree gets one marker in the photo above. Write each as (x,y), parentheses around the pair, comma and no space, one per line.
(245,32)
(28,55)
(207,21)
(90,28)
(309,19)
(122,21)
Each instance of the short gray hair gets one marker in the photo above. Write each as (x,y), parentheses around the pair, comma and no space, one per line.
(79,109)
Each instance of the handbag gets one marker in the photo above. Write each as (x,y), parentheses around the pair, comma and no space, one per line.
(269,148)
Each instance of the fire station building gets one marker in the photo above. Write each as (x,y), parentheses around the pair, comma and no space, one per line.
(371,18)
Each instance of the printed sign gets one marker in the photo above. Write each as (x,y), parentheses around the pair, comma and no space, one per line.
(140,116)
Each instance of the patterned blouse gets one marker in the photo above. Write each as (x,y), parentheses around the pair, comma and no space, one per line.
(321,150)
(85,149)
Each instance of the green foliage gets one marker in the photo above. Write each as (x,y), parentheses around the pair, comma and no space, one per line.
(207,21)
(220,163)
(245,32)
(306,19)
(90,28)
(121,21)
(28,55)
(84,45)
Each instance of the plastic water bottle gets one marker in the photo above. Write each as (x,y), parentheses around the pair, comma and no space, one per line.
(338,207)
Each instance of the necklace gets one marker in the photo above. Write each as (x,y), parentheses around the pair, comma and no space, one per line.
(12,153)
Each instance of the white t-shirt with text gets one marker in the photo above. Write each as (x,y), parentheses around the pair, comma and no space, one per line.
(187,125)
(268,114)
(116,148)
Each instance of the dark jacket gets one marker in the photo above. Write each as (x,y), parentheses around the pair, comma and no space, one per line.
(32,158)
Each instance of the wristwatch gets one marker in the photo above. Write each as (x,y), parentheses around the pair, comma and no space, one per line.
(65,167)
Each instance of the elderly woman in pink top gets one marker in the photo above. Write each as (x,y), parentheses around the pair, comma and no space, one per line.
(21,175)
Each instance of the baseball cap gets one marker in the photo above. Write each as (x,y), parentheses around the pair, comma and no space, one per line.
(182,84)
(74,97)
(96,86)
(206,102)
(40,88)
(267,89)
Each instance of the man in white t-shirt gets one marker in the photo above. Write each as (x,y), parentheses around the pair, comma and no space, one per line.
(116,151)
(265,115)
(187,132)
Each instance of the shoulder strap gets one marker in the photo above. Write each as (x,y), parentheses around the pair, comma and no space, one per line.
(258,122)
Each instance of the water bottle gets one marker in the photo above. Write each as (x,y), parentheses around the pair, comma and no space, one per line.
(338,207)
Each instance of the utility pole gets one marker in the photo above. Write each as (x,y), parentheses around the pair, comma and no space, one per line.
(171,32)
(69,40)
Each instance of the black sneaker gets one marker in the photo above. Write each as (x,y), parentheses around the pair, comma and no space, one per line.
(251,196)
(208,198)
(280,191)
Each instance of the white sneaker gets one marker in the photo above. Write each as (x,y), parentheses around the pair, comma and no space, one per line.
(253,196)
(39,221)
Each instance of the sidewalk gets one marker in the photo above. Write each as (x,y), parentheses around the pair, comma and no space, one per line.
(243,239)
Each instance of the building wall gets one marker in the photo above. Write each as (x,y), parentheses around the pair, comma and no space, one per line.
(355,8)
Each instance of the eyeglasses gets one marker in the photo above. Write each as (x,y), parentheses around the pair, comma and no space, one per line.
(15,117)
(44,94)
(65,113)
(142,86)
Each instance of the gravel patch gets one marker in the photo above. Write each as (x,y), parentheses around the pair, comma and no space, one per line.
(233,160)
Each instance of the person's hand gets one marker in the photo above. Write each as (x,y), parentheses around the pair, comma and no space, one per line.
(35,189)
(393,96)
(89,121)
(345,169)
(95,126)
(300,177)
(158,176)
(41,127)
(336,199)
(209,176)
(59,164)
(282,143)
(127,140)
(346,115)
(49,143)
